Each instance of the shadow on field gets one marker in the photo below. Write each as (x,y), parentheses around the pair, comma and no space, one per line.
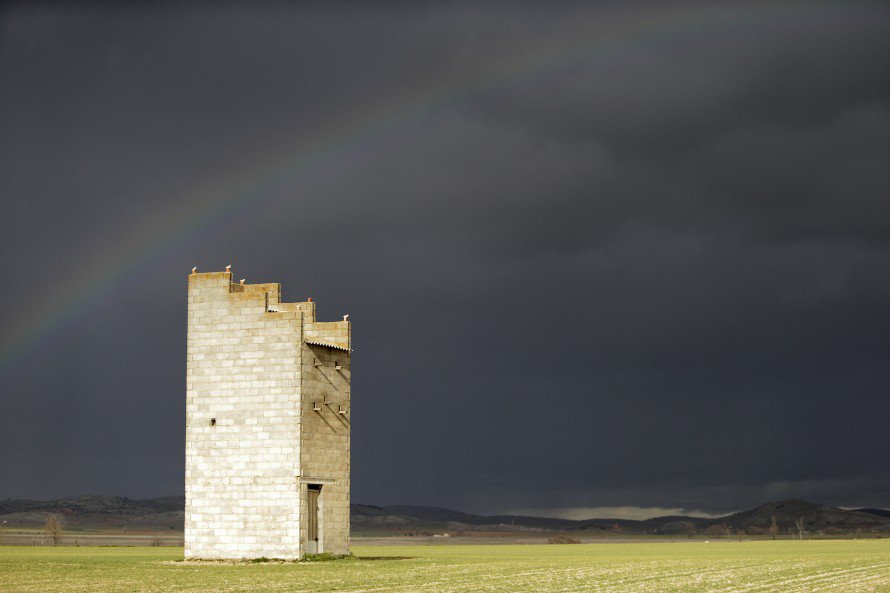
(385,557)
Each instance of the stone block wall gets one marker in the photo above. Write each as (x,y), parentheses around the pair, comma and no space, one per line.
(249,416)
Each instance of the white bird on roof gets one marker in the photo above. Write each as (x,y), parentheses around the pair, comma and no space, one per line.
(195,270)
(229,268)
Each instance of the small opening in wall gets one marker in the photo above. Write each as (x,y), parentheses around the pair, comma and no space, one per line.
(213,422)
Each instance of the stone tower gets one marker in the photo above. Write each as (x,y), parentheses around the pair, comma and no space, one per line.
(267,424)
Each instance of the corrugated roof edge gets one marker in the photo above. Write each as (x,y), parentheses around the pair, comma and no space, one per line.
(328,345)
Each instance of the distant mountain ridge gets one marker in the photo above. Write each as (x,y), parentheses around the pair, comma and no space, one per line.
(98,512)
(91,503)
(818,517)
(878,512)
(167,512)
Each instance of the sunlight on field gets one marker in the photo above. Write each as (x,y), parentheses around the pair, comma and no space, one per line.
(808,566)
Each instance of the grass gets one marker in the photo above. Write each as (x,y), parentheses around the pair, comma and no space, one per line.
(726,567)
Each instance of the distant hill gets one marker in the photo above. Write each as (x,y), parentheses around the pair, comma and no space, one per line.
(818,516)
(96,512)
(878,512)
(92,503)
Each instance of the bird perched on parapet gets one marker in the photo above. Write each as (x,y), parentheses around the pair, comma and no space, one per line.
(243,280)
(195,270)
(346,317)
(229,268)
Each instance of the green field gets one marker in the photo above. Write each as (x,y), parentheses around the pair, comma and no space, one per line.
(766,566)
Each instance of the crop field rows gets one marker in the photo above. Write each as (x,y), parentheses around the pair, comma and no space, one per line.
(725,567)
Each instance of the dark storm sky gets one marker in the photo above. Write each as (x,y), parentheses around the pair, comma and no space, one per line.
(596,255)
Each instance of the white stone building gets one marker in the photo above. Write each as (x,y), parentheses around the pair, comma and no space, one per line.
(267,424)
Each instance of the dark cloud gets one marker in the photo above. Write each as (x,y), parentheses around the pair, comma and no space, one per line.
(596,255)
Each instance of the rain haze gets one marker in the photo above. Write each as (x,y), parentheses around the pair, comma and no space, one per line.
(626,256)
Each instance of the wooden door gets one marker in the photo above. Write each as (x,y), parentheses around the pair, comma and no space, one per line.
(312,492)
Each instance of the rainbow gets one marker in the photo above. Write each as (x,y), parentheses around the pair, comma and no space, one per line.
(222,201)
